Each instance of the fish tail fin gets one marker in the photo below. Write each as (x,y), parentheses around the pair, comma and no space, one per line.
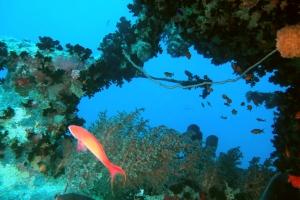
(113,170)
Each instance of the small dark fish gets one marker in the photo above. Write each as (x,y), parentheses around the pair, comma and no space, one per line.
(180,12)
(202,105)
(257,131)
(234,111)
(107,23)
(72,196)
(209,104)
(249,107)
(224,96)
(188,55)
(243,103)
(260,120)
(227,104)
(168,74)
(223,117)
(189,74)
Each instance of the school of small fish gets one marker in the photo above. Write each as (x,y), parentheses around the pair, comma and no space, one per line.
(249,107)
(228,102)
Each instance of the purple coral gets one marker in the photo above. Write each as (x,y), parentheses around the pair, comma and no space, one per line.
(68,63)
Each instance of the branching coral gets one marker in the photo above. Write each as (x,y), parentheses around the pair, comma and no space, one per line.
(208,176)
(154,159)
(150,156)
(230,193)
(256,178)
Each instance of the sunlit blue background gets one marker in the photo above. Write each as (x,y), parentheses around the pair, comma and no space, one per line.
(87,22)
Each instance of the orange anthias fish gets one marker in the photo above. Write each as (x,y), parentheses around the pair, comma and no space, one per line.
(224,96)
(168,74)
(233,66)
(236,68)
(287,152)
(295,180)
(209,89)
(297,116)
(229,100)
(89,141)
(188,55)
(248,77)
(234,111)
(257,131)
(249,107)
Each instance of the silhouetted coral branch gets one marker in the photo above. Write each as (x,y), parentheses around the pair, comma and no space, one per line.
(198,84)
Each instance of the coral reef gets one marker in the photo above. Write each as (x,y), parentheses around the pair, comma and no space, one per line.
(157,160)
(42,96)
(176,45)
(43,88)
(143,152)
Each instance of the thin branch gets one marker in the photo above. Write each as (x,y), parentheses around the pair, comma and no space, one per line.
(182,83)
(155,80)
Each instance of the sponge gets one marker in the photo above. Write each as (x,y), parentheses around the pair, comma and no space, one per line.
(288,41)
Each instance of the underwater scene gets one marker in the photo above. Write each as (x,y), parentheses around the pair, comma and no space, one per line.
(150,100)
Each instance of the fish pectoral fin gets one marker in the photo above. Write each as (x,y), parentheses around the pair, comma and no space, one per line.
(81,146)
